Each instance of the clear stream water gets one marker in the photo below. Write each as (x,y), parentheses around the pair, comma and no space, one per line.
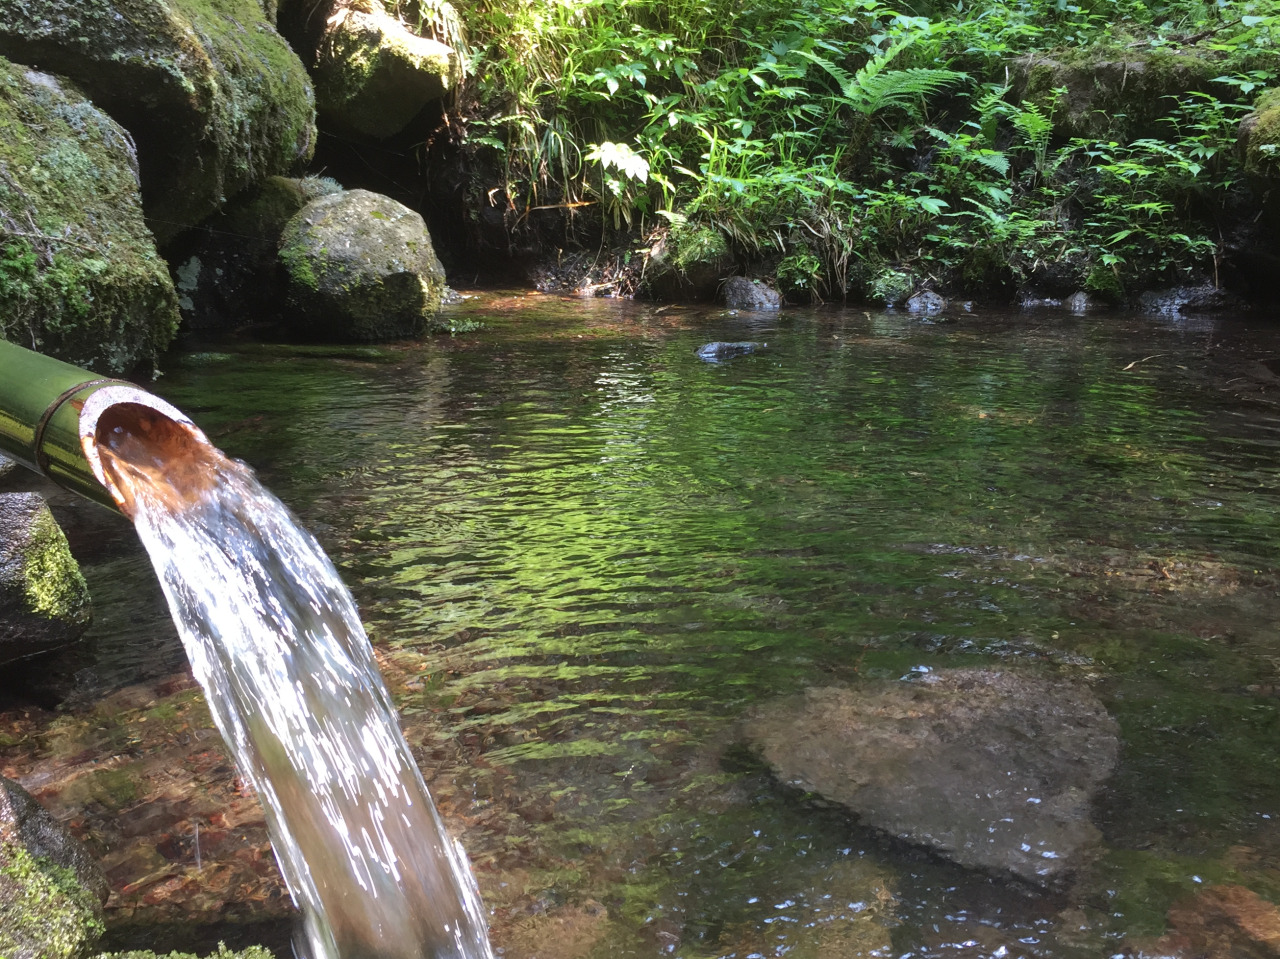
(276,643)
(583,552)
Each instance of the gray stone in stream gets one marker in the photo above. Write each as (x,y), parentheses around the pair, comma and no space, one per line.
(926,301)
(719,351)
(994,770)
(741,293)
(360,267)
(44,602)
(51,889)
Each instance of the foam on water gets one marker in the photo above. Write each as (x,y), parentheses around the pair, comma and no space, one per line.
(275,640)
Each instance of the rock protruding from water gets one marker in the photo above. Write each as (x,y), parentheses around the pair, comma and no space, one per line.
(44,602)
(360,267)
(211,94)
(229,273)
(373,76)
(744,293)
(51,890)
(719,351)
(994,770)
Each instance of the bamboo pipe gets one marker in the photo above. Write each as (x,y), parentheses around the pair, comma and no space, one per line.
(49,409)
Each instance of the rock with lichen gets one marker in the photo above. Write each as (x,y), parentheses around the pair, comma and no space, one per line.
(1109,94)
(44,602)
(209,91)
(360,267)
(80,278)
(373,75)
(226,273)
(51,890)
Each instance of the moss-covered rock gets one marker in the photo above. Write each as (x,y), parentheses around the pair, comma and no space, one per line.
(359,267)
(226,273)
(1258,146)
(373,76)
(79,275)
(213,96)
(44,602)
(689,262)
(1260,137)
(253,952)
(51,892)
(1109,94)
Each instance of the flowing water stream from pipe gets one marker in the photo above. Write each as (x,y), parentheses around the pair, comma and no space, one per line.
(274,638)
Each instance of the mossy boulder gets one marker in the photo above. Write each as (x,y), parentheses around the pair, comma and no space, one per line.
(80,278)
(1102,93)
(226,271)
(44,602)
(689,262)
(1258,145)
(373,75)
(359,267)
(51,890)
(212,95)
(253,952)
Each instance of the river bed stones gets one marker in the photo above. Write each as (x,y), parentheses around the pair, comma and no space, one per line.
(995,770)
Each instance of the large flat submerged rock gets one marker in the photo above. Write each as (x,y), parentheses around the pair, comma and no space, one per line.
(995,770)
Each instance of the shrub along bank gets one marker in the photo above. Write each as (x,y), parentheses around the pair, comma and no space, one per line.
(853,148)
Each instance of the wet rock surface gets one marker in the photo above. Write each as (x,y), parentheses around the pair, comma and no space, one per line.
(51,892)
(994,770)
(720,350)
(744,293)
(360,267)
(44,602)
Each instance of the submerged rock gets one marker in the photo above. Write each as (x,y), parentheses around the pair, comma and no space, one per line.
(718,351)
(80,278)
(360,267)
(743,293)
(212,95)
(51,890)
(373,76)
(994,770)
(1223,922)
(44,602)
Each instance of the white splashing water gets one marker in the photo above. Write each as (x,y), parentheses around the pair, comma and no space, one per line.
(275,640)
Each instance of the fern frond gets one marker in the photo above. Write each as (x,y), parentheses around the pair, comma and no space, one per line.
(899,87)
(840,75)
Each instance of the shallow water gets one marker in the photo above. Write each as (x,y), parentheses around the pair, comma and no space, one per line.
(583,552)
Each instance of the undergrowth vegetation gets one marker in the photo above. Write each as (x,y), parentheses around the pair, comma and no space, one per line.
(846,143)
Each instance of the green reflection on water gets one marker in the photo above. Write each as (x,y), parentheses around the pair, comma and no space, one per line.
(602,550)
